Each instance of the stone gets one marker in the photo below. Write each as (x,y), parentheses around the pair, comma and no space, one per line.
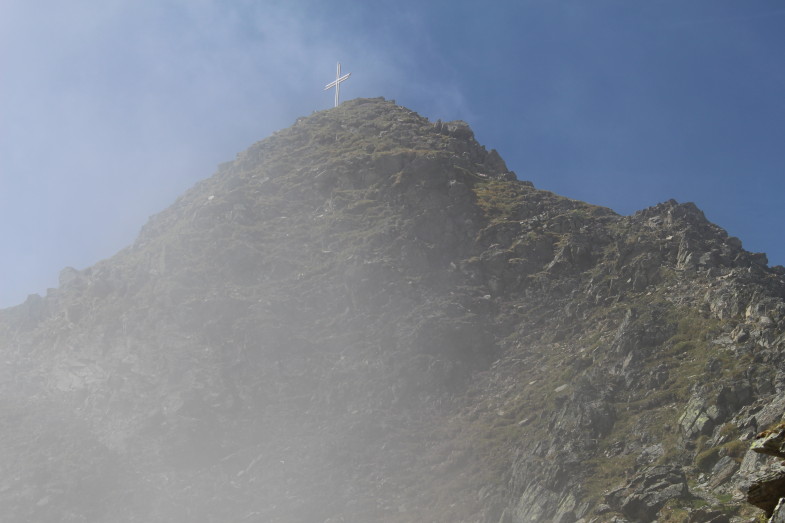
(733,242)
(779,512)
(770,442)
(766,487)
(722,471)
(751,462)
(771,413)
(695,420)
(459,129)
(534,504)
(645,495)
(495,163)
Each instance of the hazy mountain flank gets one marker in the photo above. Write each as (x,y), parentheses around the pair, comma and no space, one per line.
(366,317)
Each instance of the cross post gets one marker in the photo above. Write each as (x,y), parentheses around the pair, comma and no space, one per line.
(337,83)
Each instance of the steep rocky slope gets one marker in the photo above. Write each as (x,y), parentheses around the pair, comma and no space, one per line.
(367,317)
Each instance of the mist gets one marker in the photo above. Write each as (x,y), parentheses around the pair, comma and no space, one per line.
(113,111)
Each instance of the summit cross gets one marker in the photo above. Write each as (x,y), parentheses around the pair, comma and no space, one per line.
(337,83)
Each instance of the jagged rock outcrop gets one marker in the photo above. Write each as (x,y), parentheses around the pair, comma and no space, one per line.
(645,495)
(367,317)
(770,442)
(765,485)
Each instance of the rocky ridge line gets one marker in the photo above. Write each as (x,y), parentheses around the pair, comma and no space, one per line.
(367,317)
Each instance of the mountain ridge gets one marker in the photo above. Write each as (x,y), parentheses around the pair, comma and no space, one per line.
(367,317)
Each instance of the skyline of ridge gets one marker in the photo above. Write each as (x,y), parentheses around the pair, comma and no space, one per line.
(116,110)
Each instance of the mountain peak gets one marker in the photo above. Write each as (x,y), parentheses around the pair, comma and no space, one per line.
(367,317)
(375,126)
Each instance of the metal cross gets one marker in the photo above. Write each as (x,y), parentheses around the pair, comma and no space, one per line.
(337,83)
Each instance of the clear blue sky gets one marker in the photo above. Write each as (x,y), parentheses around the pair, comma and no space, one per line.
(111,109)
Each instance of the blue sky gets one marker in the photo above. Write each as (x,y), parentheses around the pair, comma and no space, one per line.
(110,110)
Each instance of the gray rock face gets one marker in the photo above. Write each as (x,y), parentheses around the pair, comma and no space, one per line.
(770,442)
(767,487)
(722,471)
(642,498)
(778,516)
(535,504)
(765,484)
(459,129)
(698,418)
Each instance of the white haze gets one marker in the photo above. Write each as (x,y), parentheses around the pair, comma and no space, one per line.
(109,110)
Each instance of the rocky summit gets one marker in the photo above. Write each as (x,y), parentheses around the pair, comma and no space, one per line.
(367,317)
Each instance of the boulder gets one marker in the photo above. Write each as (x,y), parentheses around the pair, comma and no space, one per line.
(771,442)
(645,495)
(766,487)
(697,418)
(459,129)
(722,471)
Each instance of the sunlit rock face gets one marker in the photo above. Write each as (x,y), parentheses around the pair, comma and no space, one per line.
(367,317)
